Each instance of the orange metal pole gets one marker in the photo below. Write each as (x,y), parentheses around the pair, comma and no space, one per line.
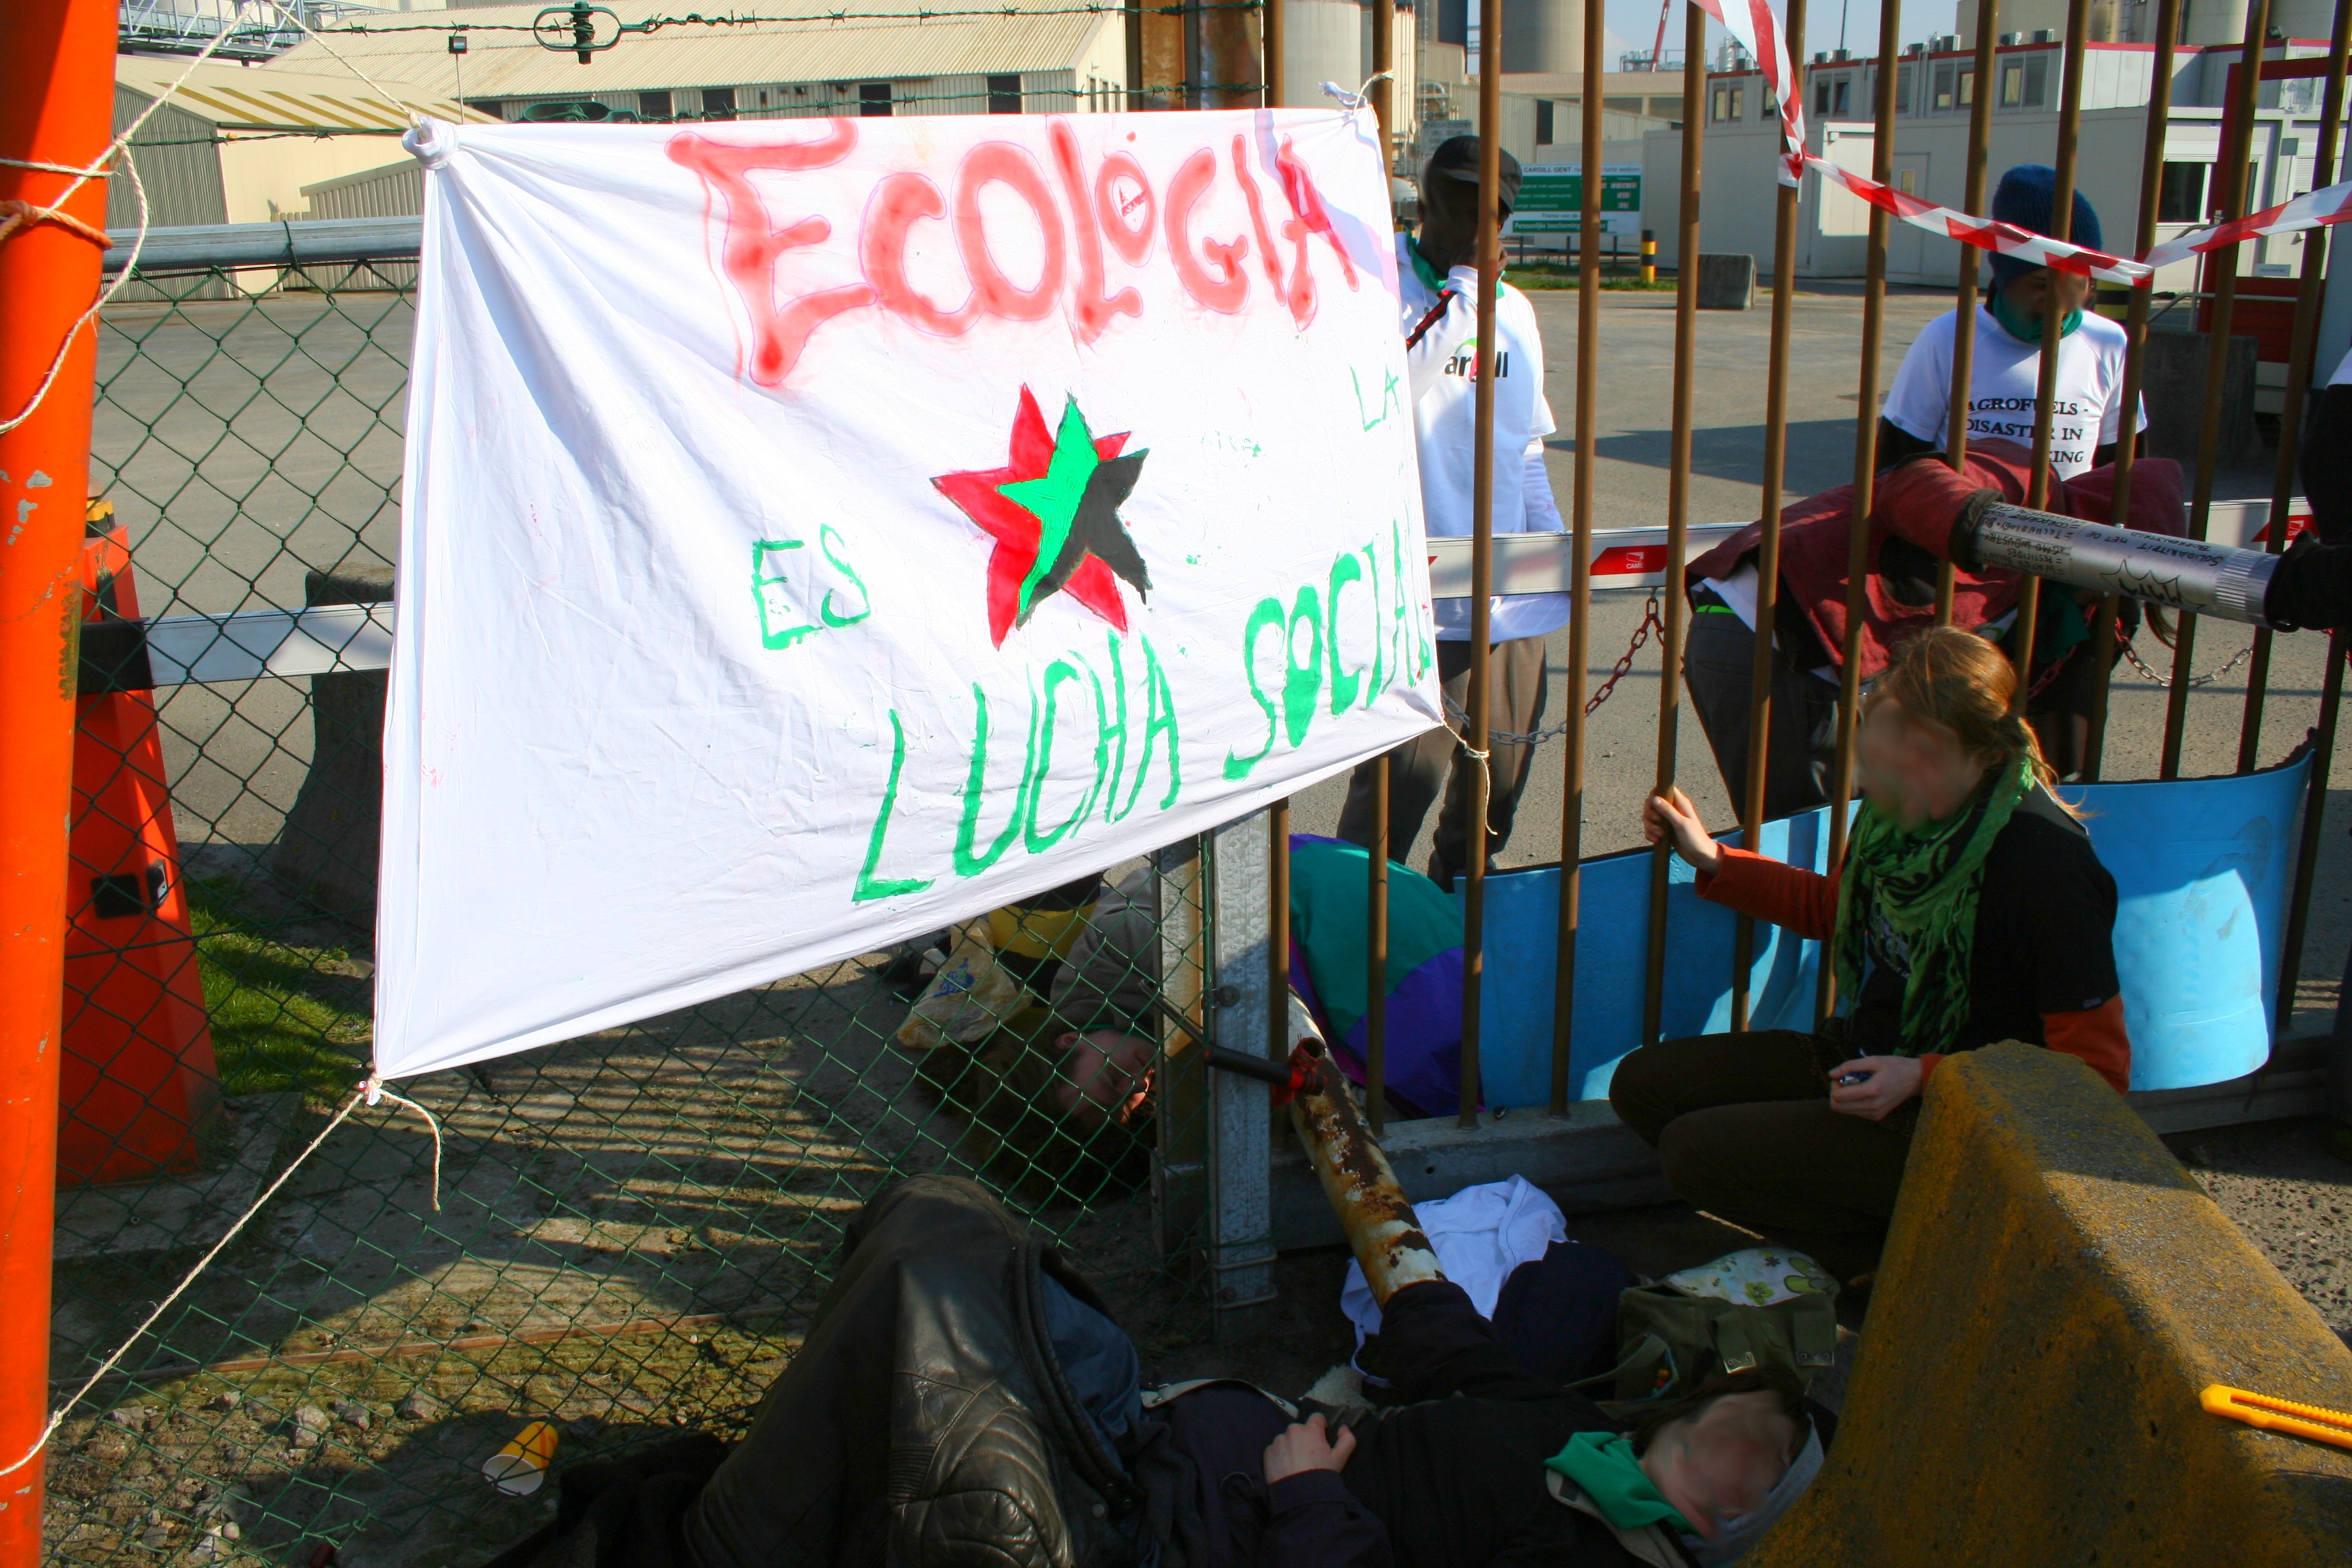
(56,104)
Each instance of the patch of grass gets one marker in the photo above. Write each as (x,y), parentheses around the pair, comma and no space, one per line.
(1566,278)
(283,1016)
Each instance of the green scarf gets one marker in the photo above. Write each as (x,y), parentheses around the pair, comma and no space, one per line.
(1924,884)
(2028,329)
(1602,1464)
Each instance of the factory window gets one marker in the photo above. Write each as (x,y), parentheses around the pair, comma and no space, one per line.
(653,105)
(1903,91)
(1728,101)
(1626,105)
(1944,99)
(1544,127)
(718,104)
(1005,95)
(873,99)
(2022,82)
(2182,199)
(1968,88)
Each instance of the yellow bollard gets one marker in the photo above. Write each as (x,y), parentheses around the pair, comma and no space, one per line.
(1649,256)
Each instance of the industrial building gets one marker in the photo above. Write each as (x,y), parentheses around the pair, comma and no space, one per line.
(237,143)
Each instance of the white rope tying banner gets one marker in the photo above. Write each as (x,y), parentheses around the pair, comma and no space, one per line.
(368,1093)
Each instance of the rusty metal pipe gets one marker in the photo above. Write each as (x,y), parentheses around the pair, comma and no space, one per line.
(1768,551)
(1482,540)
(1865,472)
(1382,1230)
(2045,393)
(1579,640)
(1670,651)
(2151,194)
(1964,309)
(2304,348)
(2221,270)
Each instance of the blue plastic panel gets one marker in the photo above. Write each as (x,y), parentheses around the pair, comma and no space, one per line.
(2203,868)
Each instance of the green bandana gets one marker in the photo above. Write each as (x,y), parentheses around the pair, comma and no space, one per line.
(2028,329)
(1429,275)
(1924,885)
(1602,1464)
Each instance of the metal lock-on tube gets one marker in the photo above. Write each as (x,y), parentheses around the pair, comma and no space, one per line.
(2186,573)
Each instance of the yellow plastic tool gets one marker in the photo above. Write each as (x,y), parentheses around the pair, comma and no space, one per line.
(2261,1410)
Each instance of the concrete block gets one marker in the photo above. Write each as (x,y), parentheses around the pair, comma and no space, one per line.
(2175,392)
(2055,1293)
(327,845)
(1588,1161)
(1726,283)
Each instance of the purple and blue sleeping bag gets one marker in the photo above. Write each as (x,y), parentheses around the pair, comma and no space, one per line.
(1330,901)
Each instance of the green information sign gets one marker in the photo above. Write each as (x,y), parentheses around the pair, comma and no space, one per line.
(1551,199)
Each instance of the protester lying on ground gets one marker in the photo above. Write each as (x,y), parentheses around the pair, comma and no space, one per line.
(964,1396)
(1909,529)
(1437,304)
(1055,1073)
(1970,909)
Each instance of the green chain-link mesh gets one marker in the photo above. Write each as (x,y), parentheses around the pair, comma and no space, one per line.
(634,1227)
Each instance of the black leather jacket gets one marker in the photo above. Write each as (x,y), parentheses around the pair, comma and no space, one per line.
(926,1420)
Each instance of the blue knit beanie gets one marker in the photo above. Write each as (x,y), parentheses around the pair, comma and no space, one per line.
(2027,197)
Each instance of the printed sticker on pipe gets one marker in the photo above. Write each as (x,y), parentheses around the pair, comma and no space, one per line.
(820,532)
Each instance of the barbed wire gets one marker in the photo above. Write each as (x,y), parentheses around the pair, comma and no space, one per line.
(696,19)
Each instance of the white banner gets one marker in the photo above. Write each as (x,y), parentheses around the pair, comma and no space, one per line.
(821,531)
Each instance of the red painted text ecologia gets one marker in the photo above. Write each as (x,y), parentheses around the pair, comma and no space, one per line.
(1087,218)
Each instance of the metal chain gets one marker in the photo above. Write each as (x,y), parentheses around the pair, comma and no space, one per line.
(2140,664)
(1650,621)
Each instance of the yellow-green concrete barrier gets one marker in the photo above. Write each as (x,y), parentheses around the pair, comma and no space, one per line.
(2055,1293)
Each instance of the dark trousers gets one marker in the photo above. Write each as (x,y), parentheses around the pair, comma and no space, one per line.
(1718,654)
(1420,768)
(1744,1125)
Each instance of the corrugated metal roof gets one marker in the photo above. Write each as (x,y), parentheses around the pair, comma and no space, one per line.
(503,64)
(241,98)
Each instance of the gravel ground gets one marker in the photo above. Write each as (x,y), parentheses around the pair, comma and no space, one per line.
(2293,1197)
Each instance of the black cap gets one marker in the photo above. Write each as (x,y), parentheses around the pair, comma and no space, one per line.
(1457,159)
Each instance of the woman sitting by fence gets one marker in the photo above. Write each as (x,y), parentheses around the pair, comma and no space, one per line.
(1970,909)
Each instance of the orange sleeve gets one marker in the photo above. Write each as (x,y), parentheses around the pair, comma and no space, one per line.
(1788,896)
(2095,1036)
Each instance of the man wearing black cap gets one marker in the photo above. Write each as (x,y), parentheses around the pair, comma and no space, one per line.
(2004,397)
(1437,289)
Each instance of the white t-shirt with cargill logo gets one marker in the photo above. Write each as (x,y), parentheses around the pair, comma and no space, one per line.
(1443,364)
(2004,387)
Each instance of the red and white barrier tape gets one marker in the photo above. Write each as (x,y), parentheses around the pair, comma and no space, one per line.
(2333,205)
(1761,26)
(1985,234)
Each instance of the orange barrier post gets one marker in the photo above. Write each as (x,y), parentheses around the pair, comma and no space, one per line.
(56,104)
(138,1080)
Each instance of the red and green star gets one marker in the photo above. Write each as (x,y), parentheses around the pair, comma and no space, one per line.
(1053,510)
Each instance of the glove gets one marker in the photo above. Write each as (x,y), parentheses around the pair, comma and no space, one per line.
(1925,501)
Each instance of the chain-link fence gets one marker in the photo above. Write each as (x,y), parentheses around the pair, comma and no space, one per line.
(634,1229)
